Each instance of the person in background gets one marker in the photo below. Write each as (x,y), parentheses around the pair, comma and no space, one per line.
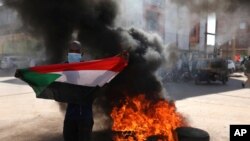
(246,63)
(78,122)
(243,60)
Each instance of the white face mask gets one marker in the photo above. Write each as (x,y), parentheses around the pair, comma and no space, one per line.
(74,57)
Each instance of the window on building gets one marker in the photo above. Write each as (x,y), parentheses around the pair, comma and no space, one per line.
(243,25)
(195,34)
(210,40)
(211,29)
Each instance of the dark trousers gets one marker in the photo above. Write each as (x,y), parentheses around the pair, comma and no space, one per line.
(77,130)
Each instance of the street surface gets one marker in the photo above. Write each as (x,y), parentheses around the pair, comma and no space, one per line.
(211,107)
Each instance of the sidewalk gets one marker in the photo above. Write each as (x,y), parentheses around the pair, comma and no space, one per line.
(215,112)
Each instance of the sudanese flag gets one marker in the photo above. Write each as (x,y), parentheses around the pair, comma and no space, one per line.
(72,82)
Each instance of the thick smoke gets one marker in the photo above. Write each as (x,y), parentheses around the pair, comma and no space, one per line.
(55,21)
(144,60)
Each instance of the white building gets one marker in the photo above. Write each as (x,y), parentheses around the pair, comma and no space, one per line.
(175,24)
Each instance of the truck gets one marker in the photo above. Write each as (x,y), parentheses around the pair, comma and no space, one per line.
(211,70)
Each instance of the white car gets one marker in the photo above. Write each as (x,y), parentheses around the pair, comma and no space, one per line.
(231,66)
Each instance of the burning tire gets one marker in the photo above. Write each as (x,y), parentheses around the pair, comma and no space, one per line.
(191,134)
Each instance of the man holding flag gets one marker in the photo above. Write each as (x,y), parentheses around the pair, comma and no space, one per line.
(74,83)
(78,122)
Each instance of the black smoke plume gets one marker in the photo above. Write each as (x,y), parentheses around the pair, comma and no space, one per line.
(56,20)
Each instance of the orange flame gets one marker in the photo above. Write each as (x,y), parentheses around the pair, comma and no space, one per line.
(143,118)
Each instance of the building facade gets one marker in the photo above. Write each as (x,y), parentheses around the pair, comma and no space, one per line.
(154,16)
(13,39)
(175,24)
(233,37)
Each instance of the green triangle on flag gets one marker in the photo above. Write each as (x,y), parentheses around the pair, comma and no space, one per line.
(38,81)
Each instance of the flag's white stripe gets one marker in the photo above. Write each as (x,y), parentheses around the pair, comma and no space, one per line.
(90,78)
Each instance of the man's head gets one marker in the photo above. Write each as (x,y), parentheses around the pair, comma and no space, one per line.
(75,47)
(75,52)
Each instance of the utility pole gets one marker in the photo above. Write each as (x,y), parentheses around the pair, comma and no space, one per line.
(233,47)
(177,29)
(205,46)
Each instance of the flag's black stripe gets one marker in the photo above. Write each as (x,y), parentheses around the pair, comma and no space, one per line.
(69,93)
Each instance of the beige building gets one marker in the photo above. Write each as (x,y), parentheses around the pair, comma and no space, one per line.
(13,39)
(154,15)
(233,37)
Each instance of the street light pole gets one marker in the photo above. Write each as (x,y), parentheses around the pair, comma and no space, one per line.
(205,46)
(177,29)
(206,22)
(233,48)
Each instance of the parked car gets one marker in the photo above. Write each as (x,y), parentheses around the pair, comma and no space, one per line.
(14,62)
(231,66)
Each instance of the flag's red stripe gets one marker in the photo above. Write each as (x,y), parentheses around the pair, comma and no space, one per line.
(113,64)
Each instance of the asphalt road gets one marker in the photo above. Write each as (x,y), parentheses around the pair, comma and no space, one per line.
(211,107)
